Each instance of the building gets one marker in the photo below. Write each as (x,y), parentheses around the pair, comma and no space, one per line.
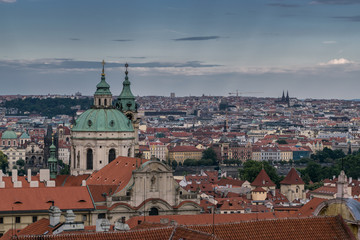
(14,154)
(293,187)
(158,150)
(181,153)
(102,133)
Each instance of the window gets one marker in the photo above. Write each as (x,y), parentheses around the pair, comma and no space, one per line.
(112,155)
(34,219)
(18,220)
(89,159)
(1,220)
(84,218)
(101,216)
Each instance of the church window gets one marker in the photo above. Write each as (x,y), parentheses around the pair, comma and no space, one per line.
(99,101)
(112,155)
(89,123)
(105,102)
(89,159)
(112,123)
(153,211)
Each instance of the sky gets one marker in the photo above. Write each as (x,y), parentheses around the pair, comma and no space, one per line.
(261,48)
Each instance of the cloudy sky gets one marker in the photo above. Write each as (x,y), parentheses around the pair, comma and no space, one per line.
(191,47)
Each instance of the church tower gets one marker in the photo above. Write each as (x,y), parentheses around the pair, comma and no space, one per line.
(52,161)
(127,105)
(101,133)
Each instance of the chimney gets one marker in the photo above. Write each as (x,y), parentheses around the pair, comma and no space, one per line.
(102,225)
(70,216)
(120,225)
(164,220)
(29,175)
(14,175)
(54,215)
(83,183)
(2,183)
(44,175)
(14,179)
(350,180)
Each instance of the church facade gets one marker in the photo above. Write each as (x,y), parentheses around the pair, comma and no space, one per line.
(104,132)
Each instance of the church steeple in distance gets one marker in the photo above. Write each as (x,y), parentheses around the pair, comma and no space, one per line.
(283,96)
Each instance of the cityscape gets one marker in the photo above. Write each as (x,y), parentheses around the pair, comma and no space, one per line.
(168,120)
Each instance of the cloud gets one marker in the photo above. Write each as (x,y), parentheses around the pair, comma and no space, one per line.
(7,1)
(329,42)
(340,61)
(204,38)
(74,39)
(336,2)
(122,40)
(350,18)
(283,5)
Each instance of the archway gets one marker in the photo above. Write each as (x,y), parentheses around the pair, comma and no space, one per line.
(153,211)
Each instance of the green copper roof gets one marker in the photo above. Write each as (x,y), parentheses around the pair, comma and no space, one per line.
(126,100)
(25,135)
(103,120)
(103,88)
(9,135)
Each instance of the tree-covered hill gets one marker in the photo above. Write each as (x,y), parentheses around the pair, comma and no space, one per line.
(48,107)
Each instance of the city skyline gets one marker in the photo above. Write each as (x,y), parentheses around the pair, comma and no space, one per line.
(310,48)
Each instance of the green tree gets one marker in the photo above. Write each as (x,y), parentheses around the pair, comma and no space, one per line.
(190,162)
(210,154)
(20,163)
(174,164)
(4,164)
(281,141)
(64,168)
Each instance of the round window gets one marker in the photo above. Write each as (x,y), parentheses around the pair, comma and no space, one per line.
(89,123)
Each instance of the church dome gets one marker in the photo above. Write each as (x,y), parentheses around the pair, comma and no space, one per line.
(9,135)
(103,120)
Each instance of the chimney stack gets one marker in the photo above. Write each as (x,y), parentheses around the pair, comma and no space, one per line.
(54,214)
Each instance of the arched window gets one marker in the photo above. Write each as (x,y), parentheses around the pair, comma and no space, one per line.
(99,101)
(129,152)
(89,159)
(153,211)
(105,102)
(112,155)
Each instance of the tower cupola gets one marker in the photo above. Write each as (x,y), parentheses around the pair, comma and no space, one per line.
(103,96)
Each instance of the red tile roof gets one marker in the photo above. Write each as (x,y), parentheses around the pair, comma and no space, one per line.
(292,178)
(263,180)
(118,172)
(39,199)
(317,228)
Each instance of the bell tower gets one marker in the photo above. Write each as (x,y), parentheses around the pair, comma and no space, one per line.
(127,105)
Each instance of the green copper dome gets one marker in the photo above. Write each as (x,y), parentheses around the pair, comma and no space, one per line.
(103,120)
(9,135)
(25,135)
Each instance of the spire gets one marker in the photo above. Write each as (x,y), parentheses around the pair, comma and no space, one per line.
(103,88)
(283,96)
(52,161)
(126,100)
(287,96)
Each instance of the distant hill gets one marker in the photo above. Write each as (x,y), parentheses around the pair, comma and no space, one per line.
(49,107)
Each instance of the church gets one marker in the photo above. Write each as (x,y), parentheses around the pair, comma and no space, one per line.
(106,130)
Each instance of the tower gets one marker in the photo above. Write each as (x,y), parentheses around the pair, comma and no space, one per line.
(127,105)
(287,98)
(52,161)
(101,133)
(283,97)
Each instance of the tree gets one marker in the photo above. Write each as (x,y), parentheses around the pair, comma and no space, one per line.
(281,141)
(64,168)
(20,163)
(174,164)
(210,154)
(4,164)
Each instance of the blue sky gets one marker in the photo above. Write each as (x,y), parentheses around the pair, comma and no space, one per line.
(190,47)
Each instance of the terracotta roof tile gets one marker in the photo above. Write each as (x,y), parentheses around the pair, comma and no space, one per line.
(263,180)
(292,178)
